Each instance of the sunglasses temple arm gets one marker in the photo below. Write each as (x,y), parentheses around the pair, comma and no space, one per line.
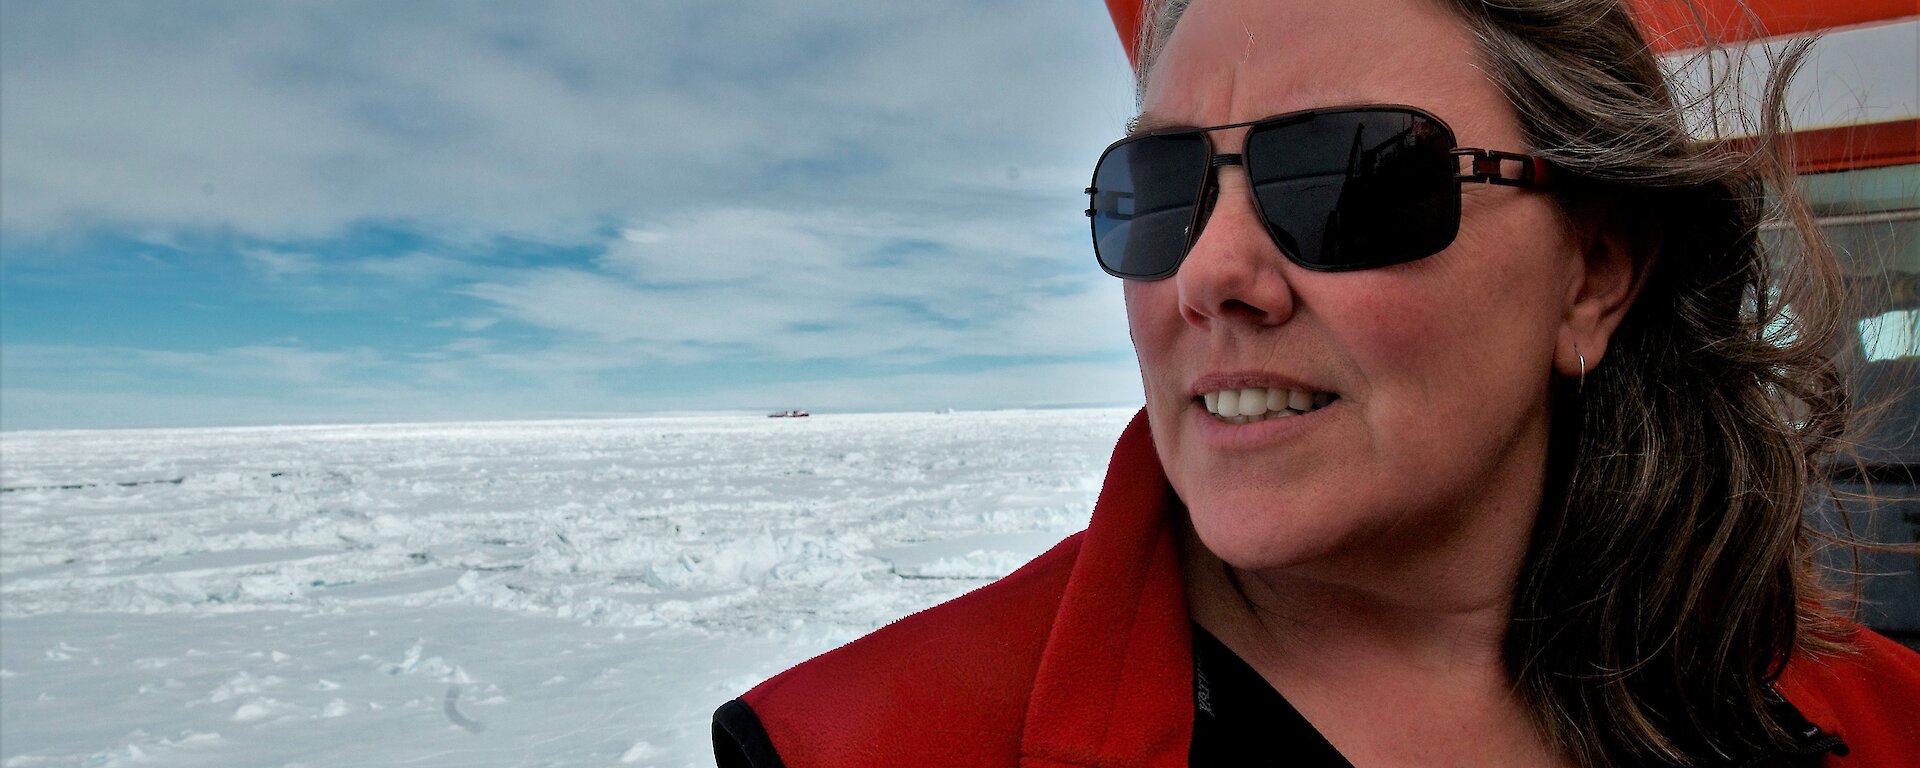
(1488,166)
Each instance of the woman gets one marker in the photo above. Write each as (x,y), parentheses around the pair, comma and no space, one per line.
(1496,468)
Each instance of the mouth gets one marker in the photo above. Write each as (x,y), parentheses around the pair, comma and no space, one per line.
(1250,405)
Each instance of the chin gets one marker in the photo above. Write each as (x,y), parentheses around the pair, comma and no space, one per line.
(1267,528)
(1251,512)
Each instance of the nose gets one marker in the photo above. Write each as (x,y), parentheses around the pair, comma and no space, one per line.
(1234,274)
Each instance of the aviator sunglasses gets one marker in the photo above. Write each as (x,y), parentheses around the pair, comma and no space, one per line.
(1338,189)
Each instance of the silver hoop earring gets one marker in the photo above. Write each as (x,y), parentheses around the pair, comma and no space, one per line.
(1582,388)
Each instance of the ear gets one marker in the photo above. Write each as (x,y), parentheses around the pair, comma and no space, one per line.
(1613,266)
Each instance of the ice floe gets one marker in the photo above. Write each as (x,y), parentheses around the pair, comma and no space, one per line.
(551,593)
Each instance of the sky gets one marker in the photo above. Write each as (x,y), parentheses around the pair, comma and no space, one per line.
(318,211)
(234,213)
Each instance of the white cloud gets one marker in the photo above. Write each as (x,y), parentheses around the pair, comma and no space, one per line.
(294,119)
(282,363)
(783,285)
(889,185)
(278,265)
(413,268)
(468,324)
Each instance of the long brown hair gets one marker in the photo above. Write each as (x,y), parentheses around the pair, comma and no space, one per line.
(1671,572)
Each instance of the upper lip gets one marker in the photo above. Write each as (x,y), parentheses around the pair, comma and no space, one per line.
(1225,380)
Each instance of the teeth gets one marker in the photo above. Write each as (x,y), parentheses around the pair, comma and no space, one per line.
(1246,406)
(1230,404)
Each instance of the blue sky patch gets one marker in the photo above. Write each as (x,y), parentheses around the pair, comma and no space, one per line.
(237,213)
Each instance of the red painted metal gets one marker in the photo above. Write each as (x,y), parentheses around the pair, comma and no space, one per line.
(1126,22)
(1677,25)
(1865,145)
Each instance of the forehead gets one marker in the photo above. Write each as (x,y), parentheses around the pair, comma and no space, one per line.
(1230,61)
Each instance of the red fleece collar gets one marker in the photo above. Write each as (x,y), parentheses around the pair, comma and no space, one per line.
(1120,648)
(1120,645)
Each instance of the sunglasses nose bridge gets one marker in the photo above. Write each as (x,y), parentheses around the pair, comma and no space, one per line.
(1231,277)
(1210,191)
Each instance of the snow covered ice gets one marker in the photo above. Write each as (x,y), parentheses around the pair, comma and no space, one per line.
(498,594)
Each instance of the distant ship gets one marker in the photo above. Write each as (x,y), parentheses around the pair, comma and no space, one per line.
(788,414)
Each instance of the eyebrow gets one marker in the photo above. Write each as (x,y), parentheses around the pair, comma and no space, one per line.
(1148,122)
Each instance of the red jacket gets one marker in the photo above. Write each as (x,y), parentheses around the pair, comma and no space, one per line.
(1082,658)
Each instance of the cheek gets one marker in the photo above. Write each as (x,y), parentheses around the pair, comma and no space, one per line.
(1393,324)
(1461,338)
(1491,295)
(1153,320)
(1402,326)
(1417,382)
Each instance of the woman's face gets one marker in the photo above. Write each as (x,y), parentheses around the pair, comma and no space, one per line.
(1439,367)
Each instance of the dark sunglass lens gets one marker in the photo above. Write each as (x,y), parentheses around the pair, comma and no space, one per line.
(1353,189)
(1143,197)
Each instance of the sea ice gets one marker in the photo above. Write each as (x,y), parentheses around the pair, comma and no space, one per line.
(551,593)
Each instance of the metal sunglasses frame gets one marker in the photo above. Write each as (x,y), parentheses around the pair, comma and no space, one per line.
(1471,165)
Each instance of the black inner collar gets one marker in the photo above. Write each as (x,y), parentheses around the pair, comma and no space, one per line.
(1240,720)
